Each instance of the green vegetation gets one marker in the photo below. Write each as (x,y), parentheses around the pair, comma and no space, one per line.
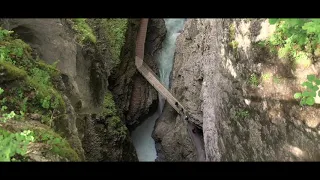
(13,145)
(254,81)
(266,76)
(234,44)
(36,92)
(5,116)
(115,33)
(242,114)
(232,36)
(85,33)
(116,128)
(57,144)
(296,38)
(307,96)
(109,107)
(27,88)
(13,72)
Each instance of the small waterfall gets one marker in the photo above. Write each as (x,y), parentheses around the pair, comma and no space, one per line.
(165,59)
(141,136)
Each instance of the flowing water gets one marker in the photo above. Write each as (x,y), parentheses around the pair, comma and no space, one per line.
(141,136)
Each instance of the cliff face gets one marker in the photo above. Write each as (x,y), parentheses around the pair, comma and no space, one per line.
(240,94)
(134,96)
(85,62)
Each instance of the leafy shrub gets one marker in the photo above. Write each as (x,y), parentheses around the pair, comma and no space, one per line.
(307,96)
(12,144)
(35,94)
(295,38)
(5,116)
(36,91)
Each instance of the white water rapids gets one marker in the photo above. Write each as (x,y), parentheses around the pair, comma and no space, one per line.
(141,136)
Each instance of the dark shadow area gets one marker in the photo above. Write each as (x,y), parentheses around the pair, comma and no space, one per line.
(26,35)
(29,36)
(196,135)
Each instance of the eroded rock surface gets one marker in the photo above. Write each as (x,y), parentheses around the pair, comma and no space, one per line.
(135,97)
(214,61)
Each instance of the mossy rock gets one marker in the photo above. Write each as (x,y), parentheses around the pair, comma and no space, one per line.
(84,31)
(35,78)
(232,32)
(46,141)
(109,107)
(59,145)
(116,128)
(11,72)
(115,30)
(29,88)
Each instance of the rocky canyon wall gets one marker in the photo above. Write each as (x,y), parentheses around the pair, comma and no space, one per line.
(91,124)
(135,97)
(242,119)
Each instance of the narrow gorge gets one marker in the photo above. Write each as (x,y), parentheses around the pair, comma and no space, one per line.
(142,139)
(72,90)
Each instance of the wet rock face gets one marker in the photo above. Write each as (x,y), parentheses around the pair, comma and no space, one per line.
(214,62)
(53,40)
(134,96)
(85,70)
(171,137)
(103,142)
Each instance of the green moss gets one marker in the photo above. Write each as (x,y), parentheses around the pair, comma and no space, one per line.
(58,145)
(109,107)
(232,32)
(35,75)
(85,33)
(43,135)
(116,33)
(35,79)
(241,113)
(266,77)
(232,36)
(254,80)
(55,98)
(234,44)
(12,71)
(4,34)
(51,69)
(116,128)
(301,59)
(33,92)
